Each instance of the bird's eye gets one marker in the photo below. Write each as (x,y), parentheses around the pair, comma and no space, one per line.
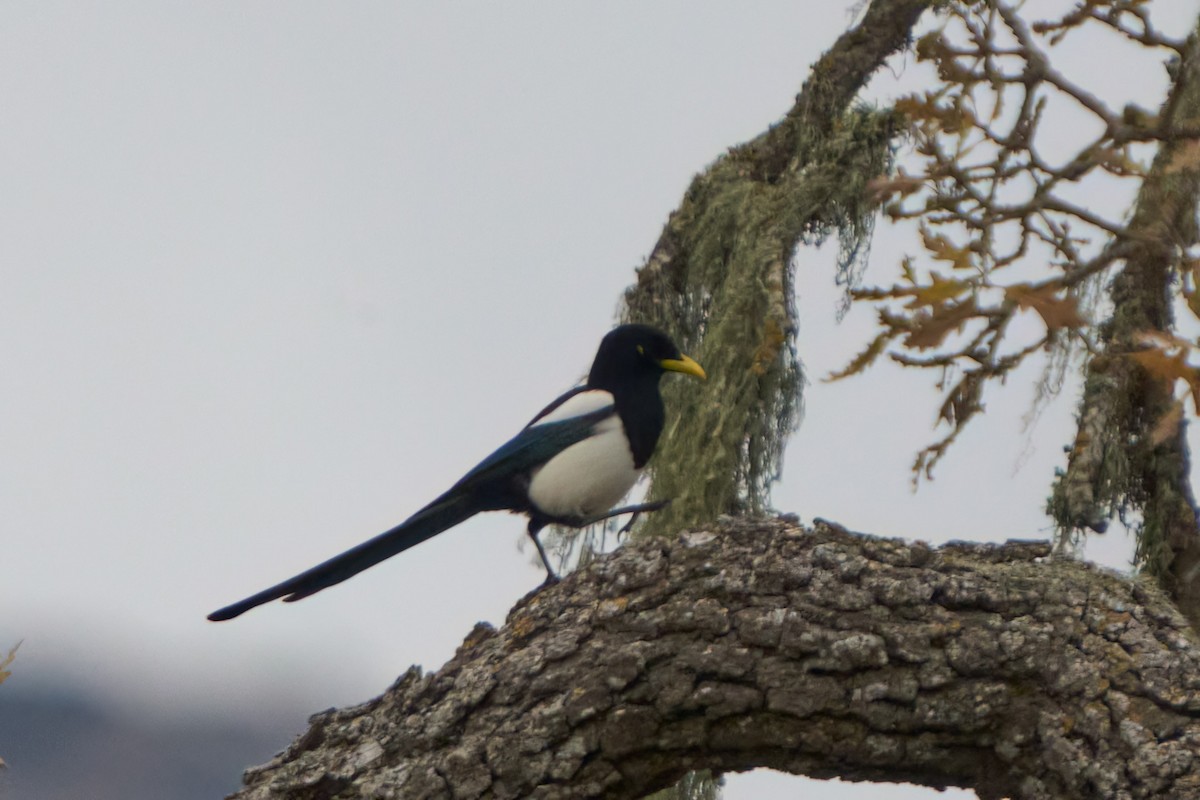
(641,350)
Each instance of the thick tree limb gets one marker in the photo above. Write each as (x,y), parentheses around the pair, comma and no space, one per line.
(816,652)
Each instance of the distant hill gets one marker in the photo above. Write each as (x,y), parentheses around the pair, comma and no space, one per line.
(73,747)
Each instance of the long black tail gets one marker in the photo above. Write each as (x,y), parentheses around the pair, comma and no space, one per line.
(441,514)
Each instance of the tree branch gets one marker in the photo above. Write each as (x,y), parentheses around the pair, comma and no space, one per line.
(1116,462)
(816,652)
(835,81)
(719,278)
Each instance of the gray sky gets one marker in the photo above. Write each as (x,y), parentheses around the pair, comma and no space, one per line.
(276,274)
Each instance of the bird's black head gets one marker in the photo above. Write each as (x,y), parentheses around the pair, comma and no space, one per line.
(631,354)
(628,364)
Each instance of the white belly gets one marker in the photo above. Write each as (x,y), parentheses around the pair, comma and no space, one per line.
(587,478)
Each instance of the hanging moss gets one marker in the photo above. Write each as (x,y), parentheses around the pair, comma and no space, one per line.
(692,786)
(728,299)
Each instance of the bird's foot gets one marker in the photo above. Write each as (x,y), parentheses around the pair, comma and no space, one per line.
(616,512)
(633,518)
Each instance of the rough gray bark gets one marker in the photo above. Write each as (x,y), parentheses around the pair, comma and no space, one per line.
(816,652)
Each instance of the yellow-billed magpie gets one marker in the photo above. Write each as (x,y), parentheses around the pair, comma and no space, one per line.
(569,466)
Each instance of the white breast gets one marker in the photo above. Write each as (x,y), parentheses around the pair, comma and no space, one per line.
(587,478)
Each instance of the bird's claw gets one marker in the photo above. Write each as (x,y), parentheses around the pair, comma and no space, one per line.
(658,505)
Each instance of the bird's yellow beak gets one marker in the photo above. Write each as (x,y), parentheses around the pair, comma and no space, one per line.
(685,365)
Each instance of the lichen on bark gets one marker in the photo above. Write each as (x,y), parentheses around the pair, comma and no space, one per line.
(813,651)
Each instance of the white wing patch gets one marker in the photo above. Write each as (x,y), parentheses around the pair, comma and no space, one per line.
(578,405)
(590,477)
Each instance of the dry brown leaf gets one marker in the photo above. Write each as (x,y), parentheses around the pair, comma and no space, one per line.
(1166,358)
(1185,157)
(1161,339)
(929,330)
(927,112)
(1194,387)
(937,292)
(943,249)
(883,187)
(963,401)
(1057,312)
(863,359)
(1167,425)
(4,673)
(1191,284)
(1061,313)
(1163,365)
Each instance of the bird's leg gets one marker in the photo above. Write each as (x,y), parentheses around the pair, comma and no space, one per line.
(628,526)
(535,526)
(634,510)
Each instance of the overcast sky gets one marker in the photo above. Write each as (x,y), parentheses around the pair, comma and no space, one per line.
(274,275)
